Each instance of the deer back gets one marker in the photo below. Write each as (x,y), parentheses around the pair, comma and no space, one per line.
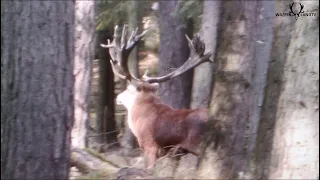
(165,125)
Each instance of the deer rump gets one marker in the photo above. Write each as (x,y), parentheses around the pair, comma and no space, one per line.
(182,128)
(158,126)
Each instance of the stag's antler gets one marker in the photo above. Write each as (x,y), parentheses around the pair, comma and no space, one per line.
(119,55)
(120,50)
(197,48)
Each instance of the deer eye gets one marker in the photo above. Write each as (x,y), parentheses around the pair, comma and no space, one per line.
(139,88)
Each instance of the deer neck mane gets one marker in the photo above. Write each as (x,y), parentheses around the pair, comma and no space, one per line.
(144,100)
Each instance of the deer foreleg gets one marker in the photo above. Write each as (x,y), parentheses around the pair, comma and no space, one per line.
(151,156)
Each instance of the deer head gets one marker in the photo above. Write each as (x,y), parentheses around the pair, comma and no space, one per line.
(127,97)
(120,49)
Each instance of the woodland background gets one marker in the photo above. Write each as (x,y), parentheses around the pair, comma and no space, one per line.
(57,85)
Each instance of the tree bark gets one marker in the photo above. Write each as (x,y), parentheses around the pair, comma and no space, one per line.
(84,52)
(282,35)
(105,121)
(173,52)
(37,40)
(261,43)
(295,146)
(242,61)
(203,74)
(135,21)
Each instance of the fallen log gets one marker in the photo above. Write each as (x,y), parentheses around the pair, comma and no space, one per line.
(127,173)
(88,162)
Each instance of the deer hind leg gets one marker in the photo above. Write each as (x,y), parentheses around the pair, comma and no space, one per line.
(191,148)
(176,155)
(192,143)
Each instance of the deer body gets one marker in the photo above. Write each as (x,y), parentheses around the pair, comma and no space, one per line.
(154,124)
(158,126)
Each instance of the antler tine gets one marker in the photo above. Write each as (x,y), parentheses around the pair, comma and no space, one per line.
(136,31)
(116,36)
(131,37)
(123,37)
(196,58)
(198,45)
(190,44)
(119,51)
(115,71)
(118,54)
(135,39)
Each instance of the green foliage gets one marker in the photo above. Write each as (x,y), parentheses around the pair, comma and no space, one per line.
(111,12)
(191,9)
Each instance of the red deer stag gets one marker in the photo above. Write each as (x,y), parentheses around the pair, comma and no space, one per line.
(155,124)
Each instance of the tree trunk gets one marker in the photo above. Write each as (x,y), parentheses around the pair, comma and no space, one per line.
(37,40)
(203,74)
(135,21)
(84,51)
(242,62)
(105,121)
(295,146)
(261,43)
(281,40)
(173,52)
